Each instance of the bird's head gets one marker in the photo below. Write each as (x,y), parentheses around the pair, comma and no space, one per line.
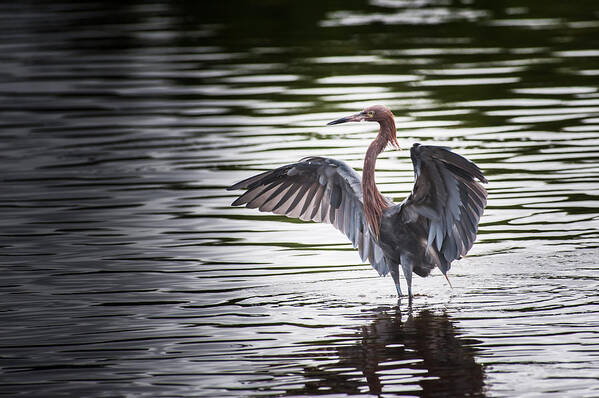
(375,113)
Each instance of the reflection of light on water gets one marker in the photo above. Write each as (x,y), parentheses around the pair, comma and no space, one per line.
(533,23)
(261,79)
(415,16)
(466,81)
(577,53)
(555,90)
(352,59)
(342,99)
(367,79)
(336,90)
(125,266)
(473,71)
(429,51)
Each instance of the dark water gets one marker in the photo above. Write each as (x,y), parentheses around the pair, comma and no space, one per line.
(125,272)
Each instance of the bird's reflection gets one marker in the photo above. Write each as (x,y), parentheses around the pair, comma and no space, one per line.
(421,355)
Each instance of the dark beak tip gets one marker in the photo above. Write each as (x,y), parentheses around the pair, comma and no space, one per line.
(338,121)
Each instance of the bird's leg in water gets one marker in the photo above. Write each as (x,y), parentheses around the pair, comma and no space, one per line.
(407,273)
(395,276)
(398,289)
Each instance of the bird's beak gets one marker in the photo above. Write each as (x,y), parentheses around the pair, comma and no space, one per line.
(358,117)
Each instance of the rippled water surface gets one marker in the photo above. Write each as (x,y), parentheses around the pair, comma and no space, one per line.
(125,272)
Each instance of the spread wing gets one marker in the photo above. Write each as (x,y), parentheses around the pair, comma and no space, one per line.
(317,189)
(448,196)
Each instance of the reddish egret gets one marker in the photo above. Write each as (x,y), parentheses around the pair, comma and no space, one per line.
(434,225)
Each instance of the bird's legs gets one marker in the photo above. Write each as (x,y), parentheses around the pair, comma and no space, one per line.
(395,275)
(406,265)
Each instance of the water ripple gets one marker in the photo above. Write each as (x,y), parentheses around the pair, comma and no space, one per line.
(126,271)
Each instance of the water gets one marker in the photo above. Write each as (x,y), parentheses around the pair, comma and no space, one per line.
(125,272)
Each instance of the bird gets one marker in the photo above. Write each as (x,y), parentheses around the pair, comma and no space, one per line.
(434,225)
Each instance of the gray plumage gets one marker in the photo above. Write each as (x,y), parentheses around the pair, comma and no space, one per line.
(316,189)
(435,225)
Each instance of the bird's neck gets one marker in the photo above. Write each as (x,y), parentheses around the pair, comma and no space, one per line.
(374,202)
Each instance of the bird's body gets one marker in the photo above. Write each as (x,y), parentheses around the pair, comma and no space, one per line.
(434,225)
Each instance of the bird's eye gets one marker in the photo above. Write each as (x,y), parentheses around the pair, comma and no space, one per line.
(371,114)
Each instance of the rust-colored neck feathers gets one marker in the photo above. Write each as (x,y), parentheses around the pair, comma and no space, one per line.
(374,202)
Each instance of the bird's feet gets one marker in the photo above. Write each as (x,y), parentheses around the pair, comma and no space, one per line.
(409,303)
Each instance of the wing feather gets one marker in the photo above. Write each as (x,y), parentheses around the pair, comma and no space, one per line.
(447,194)
(309,200)
(318,189)
(275,197)
(299,196)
